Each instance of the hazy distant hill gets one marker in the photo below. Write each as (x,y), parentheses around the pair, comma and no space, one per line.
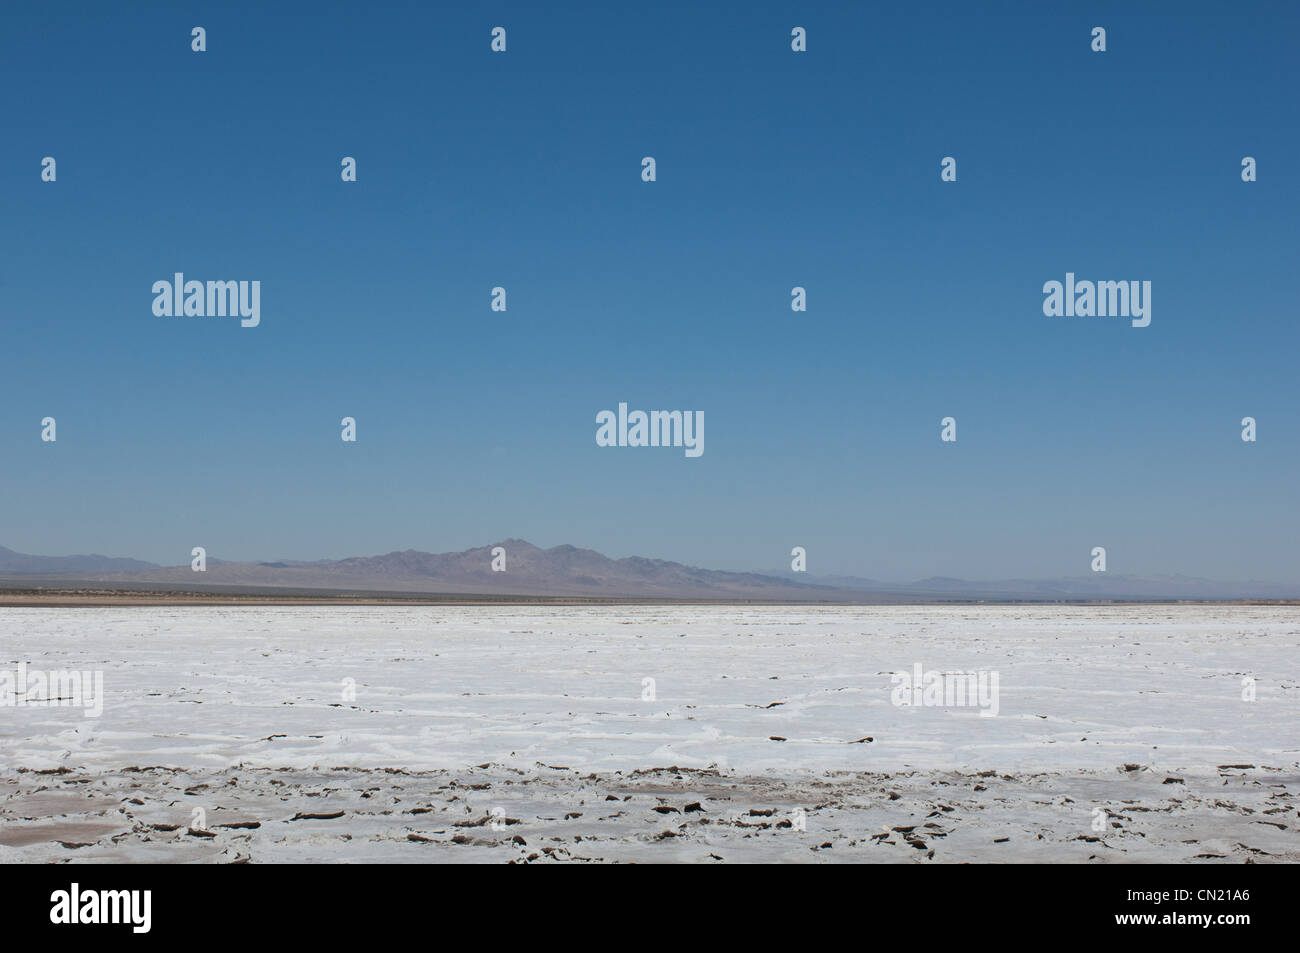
(561,571)
(24,564)
(569,571)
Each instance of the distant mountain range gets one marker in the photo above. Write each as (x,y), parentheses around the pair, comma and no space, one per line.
(12,562)
(564,571)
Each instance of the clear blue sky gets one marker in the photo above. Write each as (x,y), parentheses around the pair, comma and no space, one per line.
(775,169)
